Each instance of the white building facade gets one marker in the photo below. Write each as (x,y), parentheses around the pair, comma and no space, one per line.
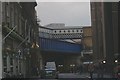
(60,31)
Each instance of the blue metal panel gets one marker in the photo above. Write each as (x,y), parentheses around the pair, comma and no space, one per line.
(59,46)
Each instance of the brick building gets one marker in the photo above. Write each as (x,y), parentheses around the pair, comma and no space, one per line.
(19,34)
(87,53)
(105,32)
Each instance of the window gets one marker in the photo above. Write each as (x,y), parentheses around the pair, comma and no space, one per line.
(5,61)
(12,15)
(60,31)
(81,30)
(11,61)
(55,31)
(5,69)
(72,30)
(11,69)
(8,13)
(77,30)
(16,17)
(7,9)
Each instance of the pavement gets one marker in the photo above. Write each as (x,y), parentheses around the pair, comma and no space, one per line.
(82,75)
(95,75)
(74,75)
(70,75)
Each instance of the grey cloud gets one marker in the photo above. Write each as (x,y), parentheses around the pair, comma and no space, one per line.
(70,13)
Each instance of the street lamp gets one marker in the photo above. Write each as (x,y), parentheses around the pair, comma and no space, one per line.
(116,61)
(116,57)
(35,45)
(104,62)
(60,65)
(72,67)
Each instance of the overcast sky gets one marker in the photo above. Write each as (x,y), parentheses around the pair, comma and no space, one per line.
(70,13)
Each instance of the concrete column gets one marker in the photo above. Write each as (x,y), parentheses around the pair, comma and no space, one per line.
(1,40)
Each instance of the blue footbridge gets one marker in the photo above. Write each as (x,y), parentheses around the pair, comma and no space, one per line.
(53,45)
(60,51)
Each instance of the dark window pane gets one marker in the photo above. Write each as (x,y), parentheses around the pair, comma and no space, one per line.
(11,69)
(11,61)
(5,61)
(5,69)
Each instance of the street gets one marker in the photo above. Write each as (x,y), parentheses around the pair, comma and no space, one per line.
(59,46)
(72,75)
(83,75)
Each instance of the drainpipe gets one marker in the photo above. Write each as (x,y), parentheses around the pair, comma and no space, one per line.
(1,69)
